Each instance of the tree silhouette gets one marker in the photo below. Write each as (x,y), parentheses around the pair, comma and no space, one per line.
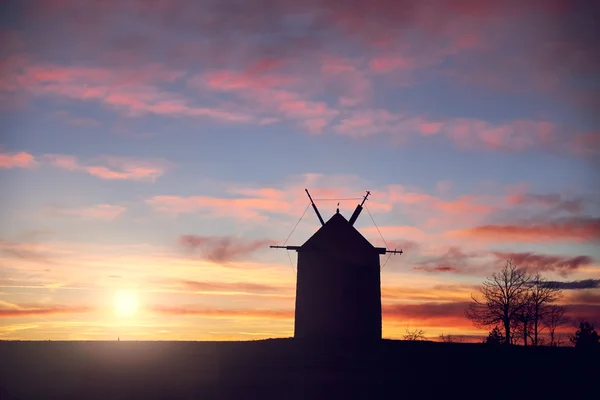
(416,334)
(522,323)
(504,296)
(585,337)
(552,319)
(495,336)
(541,296)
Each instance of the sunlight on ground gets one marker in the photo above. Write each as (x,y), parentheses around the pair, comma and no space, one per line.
(126,303)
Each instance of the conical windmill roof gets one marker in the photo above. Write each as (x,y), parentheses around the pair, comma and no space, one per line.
(338,235)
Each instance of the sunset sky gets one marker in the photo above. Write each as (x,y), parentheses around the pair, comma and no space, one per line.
(151,151)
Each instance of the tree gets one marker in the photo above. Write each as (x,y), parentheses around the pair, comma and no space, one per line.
(504,296)
(523,321)
(552,319)
(540,297)
(416,334)
(585,337)
(451,338)
(495,336)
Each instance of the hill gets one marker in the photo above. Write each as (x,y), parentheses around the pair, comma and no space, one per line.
(288,369)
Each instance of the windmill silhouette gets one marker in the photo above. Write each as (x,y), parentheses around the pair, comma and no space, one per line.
(338,286)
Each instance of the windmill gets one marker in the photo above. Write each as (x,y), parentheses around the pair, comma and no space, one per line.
(338,286)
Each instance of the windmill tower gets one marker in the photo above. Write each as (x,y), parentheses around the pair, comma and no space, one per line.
(338,287)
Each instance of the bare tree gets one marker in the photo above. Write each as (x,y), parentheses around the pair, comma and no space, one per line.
(541,296)
(447,338)
(416,334)
(451,338)
(522,324)
(552,319)
(504,296)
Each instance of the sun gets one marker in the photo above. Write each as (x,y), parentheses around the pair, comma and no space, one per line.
(126,303)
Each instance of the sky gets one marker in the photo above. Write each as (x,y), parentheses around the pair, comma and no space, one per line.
(151,151)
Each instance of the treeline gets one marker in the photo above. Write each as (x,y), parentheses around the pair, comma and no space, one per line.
(518,306)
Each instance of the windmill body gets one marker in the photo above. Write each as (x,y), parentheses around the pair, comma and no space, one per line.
(338,287)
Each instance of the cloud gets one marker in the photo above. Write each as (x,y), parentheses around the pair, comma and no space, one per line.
(101,212)
(131,91)
(555,201)
(270,96)
(243,208)
(430,314)
(576,285)
(17,160)
(224,313)
(453,260)
(67,118)
(467,134)
(583,312)
(307,72)
(113,168)
(565,229)
(32,252)
(438,268)
(8,310)
(587,297)
(539,262)
(222,248)
(397,231)
(230,287)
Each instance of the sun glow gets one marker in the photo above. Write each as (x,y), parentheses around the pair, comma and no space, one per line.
(126,303)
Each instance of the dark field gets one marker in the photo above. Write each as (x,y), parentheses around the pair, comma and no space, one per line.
(288,369)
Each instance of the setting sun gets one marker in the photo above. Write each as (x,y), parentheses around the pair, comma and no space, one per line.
(126,303)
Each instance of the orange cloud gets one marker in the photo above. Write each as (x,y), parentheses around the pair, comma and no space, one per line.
(16,311)
(566,229)
(17,160)
(439,312)
(225,313)
(232,287)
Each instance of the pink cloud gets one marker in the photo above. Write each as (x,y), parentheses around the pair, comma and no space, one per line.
(467,133)
(566,229)
(131,91)
(243,208)
(369,122)
(114,168)
(17,160)
(463,205)
(397,232)
(553,200)
(540,262)
(270,94)
(386,64)
(102,212)
(222,248)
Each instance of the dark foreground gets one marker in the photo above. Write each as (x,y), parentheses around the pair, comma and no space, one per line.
(287,369)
